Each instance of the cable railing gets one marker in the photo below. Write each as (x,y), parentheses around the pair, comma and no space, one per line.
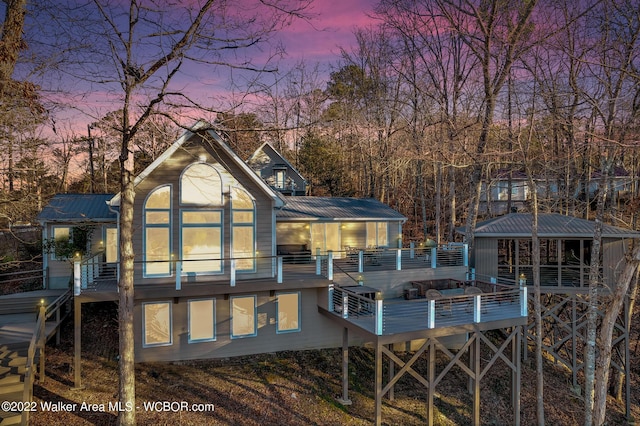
(94,273)
(455,307)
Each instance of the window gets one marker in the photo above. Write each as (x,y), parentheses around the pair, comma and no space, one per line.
(326,236)
(111,244)
(243,230)
(281,176)
(201,241)
(201,185)
(157,232)
(377,235)
(288,308)
(156,324)
(243,317)
(61,238)
(202,314)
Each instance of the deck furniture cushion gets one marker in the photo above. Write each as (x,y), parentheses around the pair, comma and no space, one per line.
(294,253)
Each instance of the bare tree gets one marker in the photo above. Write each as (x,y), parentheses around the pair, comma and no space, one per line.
(142,48)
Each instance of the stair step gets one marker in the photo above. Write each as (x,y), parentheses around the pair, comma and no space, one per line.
(11,388)
(10,379)
(10,418)
(14,362)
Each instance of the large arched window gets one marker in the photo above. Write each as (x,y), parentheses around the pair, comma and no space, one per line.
(201,219)
(157,232)
(243,230)
(201,185)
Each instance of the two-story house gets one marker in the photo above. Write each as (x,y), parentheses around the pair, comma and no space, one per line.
(226,264)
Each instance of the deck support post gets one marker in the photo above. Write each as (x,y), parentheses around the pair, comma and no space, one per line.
(77,351)
(392,365)
(431,372)
(516,373)
(378,385)
(43,338)
(345,368)
(574,341)
(477,369)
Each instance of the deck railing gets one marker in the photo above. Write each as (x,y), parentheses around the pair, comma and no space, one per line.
(392,316)
(37,346)
(92,270)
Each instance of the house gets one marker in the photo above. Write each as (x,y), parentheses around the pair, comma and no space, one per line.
(507,192)
(208,234)
(227,264)
(74,225)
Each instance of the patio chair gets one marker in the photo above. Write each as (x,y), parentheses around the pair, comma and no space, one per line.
(472,291)
(444,306)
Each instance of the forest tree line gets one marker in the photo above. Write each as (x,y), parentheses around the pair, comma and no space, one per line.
(432,101)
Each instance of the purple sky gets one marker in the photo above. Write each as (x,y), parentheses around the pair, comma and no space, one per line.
(319,40)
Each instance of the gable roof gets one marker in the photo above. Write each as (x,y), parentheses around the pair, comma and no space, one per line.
(262,150)
(335,209)
(203,129)
(78,208)
(518,225)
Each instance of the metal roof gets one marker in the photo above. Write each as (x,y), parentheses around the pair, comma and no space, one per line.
(335,209)
(549,225)
(78,208)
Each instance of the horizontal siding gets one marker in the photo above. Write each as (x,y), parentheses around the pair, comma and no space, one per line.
(169,173)
(317,332)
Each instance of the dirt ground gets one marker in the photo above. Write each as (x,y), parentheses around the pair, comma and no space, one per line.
(287,388)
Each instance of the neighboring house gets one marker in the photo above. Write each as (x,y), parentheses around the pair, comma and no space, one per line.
(279,174)
(494,196)
(495,200)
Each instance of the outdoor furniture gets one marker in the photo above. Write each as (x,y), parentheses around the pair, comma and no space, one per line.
(294,253)
(472,291)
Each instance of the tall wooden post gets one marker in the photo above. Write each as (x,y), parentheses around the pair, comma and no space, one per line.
(77,333)
(345,368)
(43,338)
(378,380)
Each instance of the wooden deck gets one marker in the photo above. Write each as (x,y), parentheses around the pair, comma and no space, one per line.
(18,315)
(396,320)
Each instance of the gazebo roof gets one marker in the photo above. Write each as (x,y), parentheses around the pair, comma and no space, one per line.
(550,225)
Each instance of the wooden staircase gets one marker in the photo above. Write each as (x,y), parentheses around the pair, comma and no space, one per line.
(27,321)
(13,361)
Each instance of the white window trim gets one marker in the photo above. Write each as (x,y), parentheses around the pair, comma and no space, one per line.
(215,331)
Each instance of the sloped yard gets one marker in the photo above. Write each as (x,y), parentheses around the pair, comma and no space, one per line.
(288,388)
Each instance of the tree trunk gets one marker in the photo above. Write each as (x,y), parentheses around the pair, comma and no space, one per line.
(126,363)
(606,332)
(11,42)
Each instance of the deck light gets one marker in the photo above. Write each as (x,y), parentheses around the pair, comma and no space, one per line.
(522,280)
(360,280)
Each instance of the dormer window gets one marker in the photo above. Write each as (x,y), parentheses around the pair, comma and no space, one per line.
(280,176)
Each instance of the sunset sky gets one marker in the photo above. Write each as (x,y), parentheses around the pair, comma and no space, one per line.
(316,42)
